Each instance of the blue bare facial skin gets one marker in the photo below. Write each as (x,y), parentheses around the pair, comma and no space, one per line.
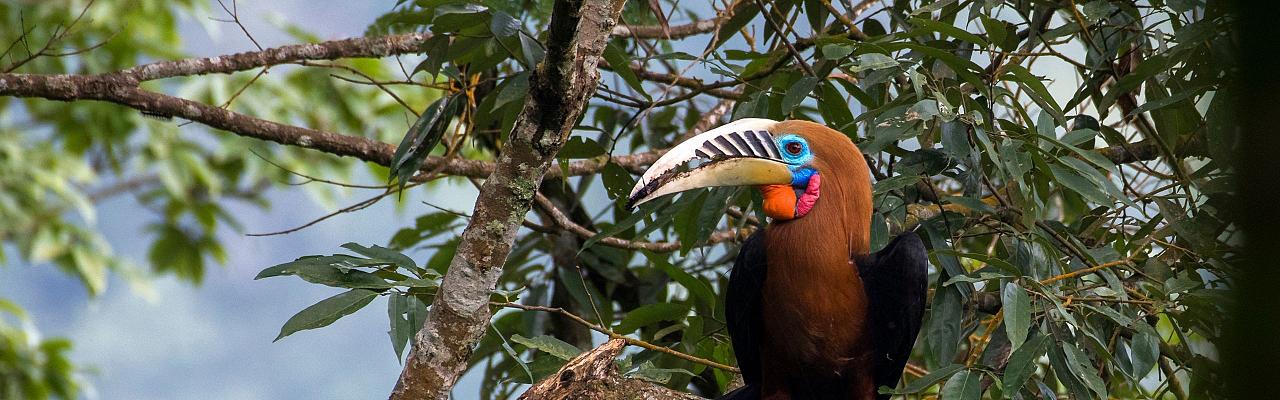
(795,152)
(800,177)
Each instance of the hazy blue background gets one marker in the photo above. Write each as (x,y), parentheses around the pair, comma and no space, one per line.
(214,341)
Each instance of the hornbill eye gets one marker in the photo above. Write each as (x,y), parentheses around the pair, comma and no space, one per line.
(794,148)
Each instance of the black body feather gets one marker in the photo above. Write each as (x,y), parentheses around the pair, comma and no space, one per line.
(897,283)
(895,280)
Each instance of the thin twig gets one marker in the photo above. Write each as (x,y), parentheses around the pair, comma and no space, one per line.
(1089,270)
(614,335)
(783,37)
(658,247)
(310,178)
(854,32)
(235,18)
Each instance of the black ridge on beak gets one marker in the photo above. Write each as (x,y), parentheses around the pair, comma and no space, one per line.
(739,153)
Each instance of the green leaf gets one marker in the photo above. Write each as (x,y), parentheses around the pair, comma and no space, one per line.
(397,304)
(894,183)
(833,107)
(688,220)
(1221,131)
(1022,363)
(943,331)
(531,50)
(650,314)
(1001,33)
(1098,10)
(580,147)
(511,352)
(873,62)
(503,25)
(743,13)
(91,268)
(1200,232)
(174,251)
(382,253)
(1148,68)
(971,203)
(1173,116)
(13,309)
(649,372)
(460,17)
(621,63)
(965,69)
(1083,369)
(756,107)
(326,311)
(585,296)
(699,289)
(1080,137)
(436,50)
(1145,348)
(931,7)
(423,136)
(549,345)
(797,93)
(1074,181)
(923,110)
(1036,89)
(630,221)
(928,25)
(1017,313)
(45,245)
(1167,101)
(975,277)
(332,271)
(617,181)
(514,88)
(836,51)
(964,385)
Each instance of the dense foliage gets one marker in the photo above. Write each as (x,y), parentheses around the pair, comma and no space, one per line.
(1068,164)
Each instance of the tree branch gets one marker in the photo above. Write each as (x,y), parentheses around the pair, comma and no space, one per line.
(691,83)
(559,89)
(362,47)
(123,90)
(593,375)
(697,27)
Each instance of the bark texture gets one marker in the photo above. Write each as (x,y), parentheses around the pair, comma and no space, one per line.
(592,375)
(122,88)
(560,88)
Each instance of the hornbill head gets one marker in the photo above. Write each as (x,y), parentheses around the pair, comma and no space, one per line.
(791,162)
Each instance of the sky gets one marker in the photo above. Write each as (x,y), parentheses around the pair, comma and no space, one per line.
(214,341)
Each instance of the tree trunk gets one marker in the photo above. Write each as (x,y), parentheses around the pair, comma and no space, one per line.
(560,87)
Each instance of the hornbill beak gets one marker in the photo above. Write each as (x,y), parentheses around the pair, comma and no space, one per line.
(739,153)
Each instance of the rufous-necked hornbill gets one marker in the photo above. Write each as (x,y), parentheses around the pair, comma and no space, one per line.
(811,312)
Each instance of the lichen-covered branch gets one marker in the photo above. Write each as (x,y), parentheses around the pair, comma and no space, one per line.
(560,87)
(363,47)
(681,31)
(122,89)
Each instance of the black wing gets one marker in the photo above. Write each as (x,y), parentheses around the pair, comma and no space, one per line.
(742,306)
(896,281)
